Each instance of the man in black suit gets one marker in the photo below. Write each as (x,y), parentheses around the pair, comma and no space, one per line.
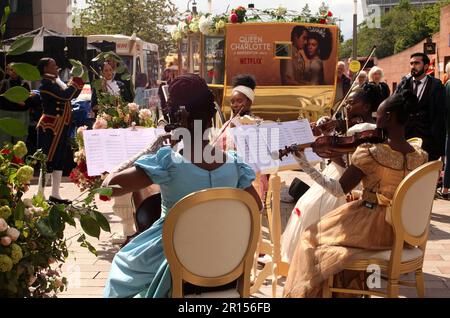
(428,122)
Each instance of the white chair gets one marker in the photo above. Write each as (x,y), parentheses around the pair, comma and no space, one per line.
(410,215)
(210,239)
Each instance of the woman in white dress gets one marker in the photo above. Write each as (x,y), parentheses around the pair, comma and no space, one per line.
(316,202)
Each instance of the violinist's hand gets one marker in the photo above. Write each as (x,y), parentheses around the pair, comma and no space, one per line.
(323,120)
(107,179)
(316,130)
(299,153)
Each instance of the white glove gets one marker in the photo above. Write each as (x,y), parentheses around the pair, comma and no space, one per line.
(331,185)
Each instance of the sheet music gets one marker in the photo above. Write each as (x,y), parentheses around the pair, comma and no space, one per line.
(107,148)
(257,144)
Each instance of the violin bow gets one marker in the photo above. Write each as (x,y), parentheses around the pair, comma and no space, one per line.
(224,128)
(344,100)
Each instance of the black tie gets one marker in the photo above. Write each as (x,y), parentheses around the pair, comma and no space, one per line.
(416,87)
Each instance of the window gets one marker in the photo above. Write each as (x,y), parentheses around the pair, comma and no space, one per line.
(214,59)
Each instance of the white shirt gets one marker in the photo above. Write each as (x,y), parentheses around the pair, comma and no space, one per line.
(421,88)
(112,87)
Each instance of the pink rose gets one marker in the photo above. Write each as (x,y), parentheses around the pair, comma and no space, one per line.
(13,233)
(3,225)
(5,241)
(100,123)
(133,107)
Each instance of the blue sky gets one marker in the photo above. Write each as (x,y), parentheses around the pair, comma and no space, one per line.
(342,9)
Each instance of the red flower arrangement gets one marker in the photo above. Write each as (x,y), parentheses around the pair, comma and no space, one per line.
(80,177)
(237,15)
(79,174)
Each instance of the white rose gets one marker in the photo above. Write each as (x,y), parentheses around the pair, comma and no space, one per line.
(133,107)
(13,233)
(281,11)
(205,24)
(37,211)
(3,225)
(145,114)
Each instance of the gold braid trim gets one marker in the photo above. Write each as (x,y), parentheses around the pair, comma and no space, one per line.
(61,122)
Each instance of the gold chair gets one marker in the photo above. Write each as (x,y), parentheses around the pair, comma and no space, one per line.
(409,216)
(209,240)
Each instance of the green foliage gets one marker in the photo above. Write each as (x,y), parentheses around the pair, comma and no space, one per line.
(21,46)
(147,18)
(5,17)
(401,28)
(13,127)
(16,94)
(40,225)
(27,71)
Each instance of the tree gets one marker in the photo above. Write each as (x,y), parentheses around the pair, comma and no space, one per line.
(345,49)
(147,18)
(401,28)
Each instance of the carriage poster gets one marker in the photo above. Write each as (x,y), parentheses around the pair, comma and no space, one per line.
(294,65)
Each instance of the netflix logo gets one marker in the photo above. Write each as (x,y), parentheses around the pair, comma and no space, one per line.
(250,60)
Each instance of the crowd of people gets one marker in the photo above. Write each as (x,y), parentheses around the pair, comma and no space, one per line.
(418,108)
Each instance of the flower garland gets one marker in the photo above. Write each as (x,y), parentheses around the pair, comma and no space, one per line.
(208,24)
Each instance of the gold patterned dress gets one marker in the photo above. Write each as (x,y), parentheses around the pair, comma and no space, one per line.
(325,246)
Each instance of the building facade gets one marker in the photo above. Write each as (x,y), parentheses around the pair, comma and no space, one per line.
(28,15)
(396,66)
(386,5)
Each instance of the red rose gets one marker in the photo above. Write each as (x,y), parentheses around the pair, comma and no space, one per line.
(5,151)
(323,21)
(330,14)
(17,160)
(233,18)
(104,198)
(82,167)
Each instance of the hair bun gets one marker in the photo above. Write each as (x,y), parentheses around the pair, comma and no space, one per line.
(244,80)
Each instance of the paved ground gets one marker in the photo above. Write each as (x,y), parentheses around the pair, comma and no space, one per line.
(87,274)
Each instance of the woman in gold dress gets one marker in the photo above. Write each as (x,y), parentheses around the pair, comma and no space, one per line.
(325,246)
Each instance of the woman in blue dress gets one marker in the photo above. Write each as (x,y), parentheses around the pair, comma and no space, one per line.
(140,269)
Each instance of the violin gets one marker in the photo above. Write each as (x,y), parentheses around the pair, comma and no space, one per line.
(334,146)
(332,125)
